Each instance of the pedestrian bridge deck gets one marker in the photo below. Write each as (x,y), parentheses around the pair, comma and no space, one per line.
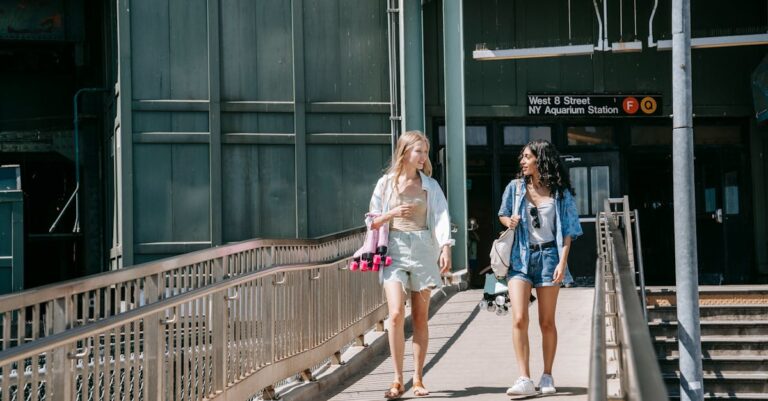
(470,355)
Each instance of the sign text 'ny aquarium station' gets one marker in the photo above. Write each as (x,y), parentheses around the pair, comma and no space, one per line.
(594,105)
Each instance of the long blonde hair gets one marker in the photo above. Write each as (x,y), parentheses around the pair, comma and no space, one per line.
(404,145)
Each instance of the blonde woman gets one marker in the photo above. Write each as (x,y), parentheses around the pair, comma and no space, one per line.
(414,206)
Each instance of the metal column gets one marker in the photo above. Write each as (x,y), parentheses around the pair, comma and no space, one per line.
(453,45)
(299,118)
(686,263)
(412,65)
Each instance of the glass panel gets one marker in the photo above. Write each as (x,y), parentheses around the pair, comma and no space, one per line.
(522,135)
(731,193)
(600,184)
(651,135)
(441,135)
(715,135)
(590,135)
(581,186)
(709,200)
(476,135)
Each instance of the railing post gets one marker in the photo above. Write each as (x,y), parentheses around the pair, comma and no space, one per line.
(154,337)
(219,330)
(62,386)
(336,358)
(306,375)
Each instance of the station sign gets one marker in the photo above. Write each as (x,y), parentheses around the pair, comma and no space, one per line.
(573,105)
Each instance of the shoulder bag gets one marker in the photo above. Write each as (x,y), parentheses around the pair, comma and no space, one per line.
(502,247)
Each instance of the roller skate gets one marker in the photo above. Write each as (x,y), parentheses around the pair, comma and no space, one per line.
(373,254)
(362,259)
(381,249)
(495,296)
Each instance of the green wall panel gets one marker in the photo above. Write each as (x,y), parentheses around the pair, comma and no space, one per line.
(649,71)
(346,50)
(347,123)
(340,180)
(257,122)
(258,192)
(172,196)
(240,181)
(169,48)
(6,248)
(11,241)
(256,50)
(6,234)
(166,121)
(719,80)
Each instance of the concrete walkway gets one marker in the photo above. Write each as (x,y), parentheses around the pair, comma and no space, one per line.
(471,356)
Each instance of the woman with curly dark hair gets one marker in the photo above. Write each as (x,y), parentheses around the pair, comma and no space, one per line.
(546,224)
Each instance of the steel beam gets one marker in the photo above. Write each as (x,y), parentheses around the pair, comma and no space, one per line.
(686,263)
(413,65)
(453,43)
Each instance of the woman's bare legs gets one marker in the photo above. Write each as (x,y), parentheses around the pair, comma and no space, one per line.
(420,318)
(395,331)
(547,305)
(519,292)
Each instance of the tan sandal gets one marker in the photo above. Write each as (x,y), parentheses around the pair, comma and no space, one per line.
(419,390)
(396,390)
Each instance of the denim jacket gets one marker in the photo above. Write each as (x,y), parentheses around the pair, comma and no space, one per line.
(438,220)
(567,223)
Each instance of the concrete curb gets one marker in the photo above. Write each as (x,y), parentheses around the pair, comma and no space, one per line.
(356,359)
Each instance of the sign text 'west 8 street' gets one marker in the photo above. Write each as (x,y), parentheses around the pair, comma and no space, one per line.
(594,105)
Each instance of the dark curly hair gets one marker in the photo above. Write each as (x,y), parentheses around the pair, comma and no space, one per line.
(551,168)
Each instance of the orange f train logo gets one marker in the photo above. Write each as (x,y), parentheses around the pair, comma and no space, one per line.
(630,105)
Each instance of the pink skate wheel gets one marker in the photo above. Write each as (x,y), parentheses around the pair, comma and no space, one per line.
(376,260)
(388,261)
(364,266)
(353,266)
(375,267)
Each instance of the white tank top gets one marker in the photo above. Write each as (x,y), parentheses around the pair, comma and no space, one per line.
(546,218)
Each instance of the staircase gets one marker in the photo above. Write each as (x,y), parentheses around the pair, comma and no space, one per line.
(734,340)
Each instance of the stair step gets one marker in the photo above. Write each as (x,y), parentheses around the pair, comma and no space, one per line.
(712,312)
(725,396)
(713,328)
(716,346)
(721,363)
(712,295)
(756,382)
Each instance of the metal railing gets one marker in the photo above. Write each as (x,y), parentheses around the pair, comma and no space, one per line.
(40,312)
(226,340)
(623,365)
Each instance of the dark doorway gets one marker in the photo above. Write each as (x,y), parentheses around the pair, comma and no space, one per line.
(723,203)
(650,193)
(723,216)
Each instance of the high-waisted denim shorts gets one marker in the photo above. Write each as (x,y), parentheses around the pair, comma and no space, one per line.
(414,260)
(541,268)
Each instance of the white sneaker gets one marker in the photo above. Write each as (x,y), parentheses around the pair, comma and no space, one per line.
(547,384)
(523,386)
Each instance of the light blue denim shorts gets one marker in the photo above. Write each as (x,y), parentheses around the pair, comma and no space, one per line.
(541,267)
(414,260)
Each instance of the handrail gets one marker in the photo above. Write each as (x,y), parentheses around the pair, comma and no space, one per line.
(597,376)
(43,311)
(212,347)
(639,374)
(640,268)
